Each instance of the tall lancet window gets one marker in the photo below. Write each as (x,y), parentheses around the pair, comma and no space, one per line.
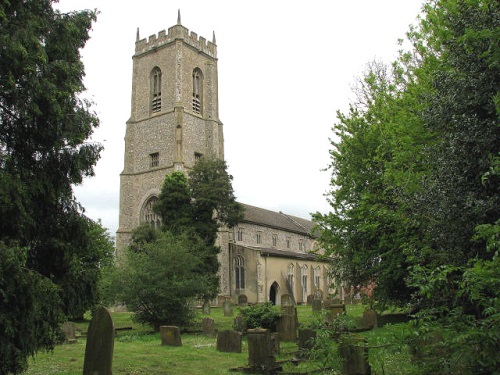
(197,90)
(156,90)
(239,272)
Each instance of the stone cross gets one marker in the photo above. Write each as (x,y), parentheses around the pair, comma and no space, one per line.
(100,344)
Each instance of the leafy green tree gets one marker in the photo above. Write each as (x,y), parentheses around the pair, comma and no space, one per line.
(415,183)
(160,281)
(200,205)
(47,242)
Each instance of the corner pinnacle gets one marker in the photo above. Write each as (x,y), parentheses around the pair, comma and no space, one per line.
(178,16)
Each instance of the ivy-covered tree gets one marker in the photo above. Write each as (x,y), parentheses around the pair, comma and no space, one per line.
(49,258)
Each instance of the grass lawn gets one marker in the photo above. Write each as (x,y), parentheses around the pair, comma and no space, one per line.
(138,351)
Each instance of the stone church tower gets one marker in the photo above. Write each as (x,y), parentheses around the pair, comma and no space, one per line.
(174,119)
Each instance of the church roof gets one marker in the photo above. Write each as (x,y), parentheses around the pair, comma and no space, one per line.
(277,220)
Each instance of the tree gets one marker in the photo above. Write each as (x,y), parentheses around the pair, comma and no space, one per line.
(200,205)
(160,281)
(415,183)
(47,242)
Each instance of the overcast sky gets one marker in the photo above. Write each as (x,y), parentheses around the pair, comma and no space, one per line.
(285,68)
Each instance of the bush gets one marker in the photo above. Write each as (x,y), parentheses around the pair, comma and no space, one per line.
(263,315)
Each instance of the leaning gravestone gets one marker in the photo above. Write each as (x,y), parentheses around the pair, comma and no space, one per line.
(229,341)
(206,308)
(100,344)
(170,336)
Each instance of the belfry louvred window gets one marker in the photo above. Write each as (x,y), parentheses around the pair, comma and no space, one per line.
(156,90)
(197,90)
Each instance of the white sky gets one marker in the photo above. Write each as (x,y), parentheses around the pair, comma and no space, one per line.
(285,68)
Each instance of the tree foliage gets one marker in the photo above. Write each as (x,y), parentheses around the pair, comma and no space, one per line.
(415,186)
(51,249)
(160,281)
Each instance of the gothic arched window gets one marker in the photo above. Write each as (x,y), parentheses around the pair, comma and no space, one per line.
(148,215)
(156,90)
(239,272)
(290,276)
(303,281)
(197,91)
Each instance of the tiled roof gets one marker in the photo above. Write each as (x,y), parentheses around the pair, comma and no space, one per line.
(278,220)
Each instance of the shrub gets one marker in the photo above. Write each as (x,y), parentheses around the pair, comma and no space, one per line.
(263,315)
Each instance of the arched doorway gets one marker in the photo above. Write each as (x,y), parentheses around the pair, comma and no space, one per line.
(274,292)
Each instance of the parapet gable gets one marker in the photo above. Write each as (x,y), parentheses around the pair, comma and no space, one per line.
(177,32)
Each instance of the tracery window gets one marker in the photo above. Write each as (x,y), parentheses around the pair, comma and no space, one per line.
(197,90)
(148,215)
(239,272)
(156,90)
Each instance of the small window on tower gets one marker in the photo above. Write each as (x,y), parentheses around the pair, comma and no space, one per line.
(156,90)
(154,159)
(197,156)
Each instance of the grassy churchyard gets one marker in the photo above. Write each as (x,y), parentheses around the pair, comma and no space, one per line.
(139,350)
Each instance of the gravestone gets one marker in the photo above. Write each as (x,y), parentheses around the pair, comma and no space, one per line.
(287,300)
(209,327)
(306,339)
(239,324)
(310,299)
(228,308)
(242,300)
(170,336)
(334,311)
(260,352)
(316,305)
(69,330)
(318,294)
(370,318)
(206,308)
(354,352)
(275,342)
(100,343)
(287,324)
(229,341)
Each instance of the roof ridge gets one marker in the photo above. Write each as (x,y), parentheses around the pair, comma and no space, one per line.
(289,217)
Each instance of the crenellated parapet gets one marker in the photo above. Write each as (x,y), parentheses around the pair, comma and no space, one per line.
(177,32)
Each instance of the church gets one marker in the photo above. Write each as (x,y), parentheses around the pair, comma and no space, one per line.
(174,121)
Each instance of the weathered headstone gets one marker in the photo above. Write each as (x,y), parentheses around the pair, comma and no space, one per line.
(287,324)
(100,344)
(316,305)
(239,324)
(209,327)
(306,339)
(318,294)
(206,308)
(370,318)
(228,308)
(275,342)
(170,336)
(229,341)
(287,300)
(260,353)
(354,353)
(310,299)
(242,300)
(69,330)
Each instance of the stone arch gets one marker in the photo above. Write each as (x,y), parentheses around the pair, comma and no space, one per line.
(146,213)
(274,293)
